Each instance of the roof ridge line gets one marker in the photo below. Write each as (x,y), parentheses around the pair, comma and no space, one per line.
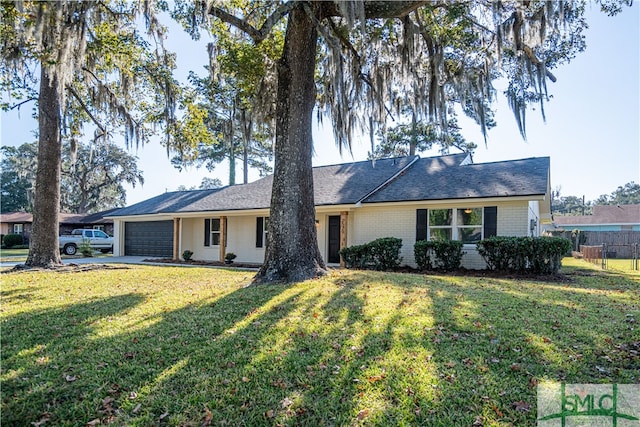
(386,182)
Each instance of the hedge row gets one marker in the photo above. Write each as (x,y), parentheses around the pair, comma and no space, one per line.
(444,255)
(539,255)
(381,254)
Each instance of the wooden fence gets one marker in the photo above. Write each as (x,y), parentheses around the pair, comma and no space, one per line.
(619,243)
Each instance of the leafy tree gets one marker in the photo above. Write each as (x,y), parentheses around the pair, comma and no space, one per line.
(236,128)
(569,205)
(356,60)
(210,183)
(629,194)
(17,178)
(92,179)
(205,184)
(416,137)
(91,59)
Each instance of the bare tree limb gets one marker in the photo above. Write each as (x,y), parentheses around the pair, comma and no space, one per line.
(20,104)
(257,35)
(86,109)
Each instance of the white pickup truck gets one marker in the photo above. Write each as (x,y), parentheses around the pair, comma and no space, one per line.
(97,239)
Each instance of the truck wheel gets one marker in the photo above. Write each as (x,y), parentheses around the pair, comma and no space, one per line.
(105,251)
(70,249)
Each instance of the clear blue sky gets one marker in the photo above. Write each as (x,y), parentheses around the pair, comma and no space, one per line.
(591,133)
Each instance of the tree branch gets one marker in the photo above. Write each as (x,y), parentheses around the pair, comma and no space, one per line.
(532,57)
(391,9)
(257,35)
(20,104)
(86,109)
(349,46)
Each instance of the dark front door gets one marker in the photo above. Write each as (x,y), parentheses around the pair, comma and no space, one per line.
(334,239)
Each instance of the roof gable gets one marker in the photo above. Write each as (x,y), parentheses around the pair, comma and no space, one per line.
(449,177)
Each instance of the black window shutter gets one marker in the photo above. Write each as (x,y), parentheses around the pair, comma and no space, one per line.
(490,221)
(421,224)
(207,232)
(259,231)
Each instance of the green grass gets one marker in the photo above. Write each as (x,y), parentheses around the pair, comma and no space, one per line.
(20,255)
(146,346)
(13,255)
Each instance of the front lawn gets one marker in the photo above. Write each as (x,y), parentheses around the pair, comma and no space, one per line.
(20,255)
(176,346)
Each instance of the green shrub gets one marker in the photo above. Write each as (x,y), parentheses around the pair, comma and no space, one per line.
(186,255)
(355,256)
(447,254)
(547,253)
(11,240)
(538,255)
(85,249)
(498,252)
(422,254)
(385,253)
(380,254)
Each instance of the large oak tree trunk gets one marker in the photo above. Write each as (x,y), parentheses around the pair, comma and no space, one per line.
(44,251)
(292,247)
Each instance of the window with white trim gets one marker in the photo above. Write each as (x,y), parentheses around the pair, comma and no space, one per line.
(17,228)
(212,232)
(469,225)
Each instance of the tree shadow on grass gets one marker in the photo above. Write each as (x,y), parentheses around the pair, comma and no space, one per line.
(57,369)
(357,348)
(42,351)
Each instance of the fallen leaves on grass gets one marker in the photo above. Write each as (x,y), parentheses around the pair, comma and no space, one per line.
(286,402)
(521,406)
(363,414)
(208,417)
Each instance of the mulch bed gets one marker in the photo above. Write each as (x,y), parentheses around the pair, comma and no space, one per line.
(204,263)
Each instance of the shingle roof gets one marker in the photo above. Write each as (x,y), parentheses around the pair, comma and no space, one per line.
(603,214)
(441,178)
(16,217)
(64,218)
(333,185)
(388,180)
(173,201)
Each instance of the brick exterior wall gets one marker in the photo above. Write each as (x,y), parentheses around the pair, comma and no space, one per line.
(370,223)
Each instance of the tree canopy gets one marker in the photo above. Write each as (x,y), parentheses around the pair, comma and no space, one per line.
(82,61)
(370,62)
(627,194)
(91,181)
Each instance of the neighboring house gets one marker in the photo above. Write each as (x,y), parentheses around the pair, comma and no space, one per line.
(21,222)
(410,198)
(603,218)
(16,223)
